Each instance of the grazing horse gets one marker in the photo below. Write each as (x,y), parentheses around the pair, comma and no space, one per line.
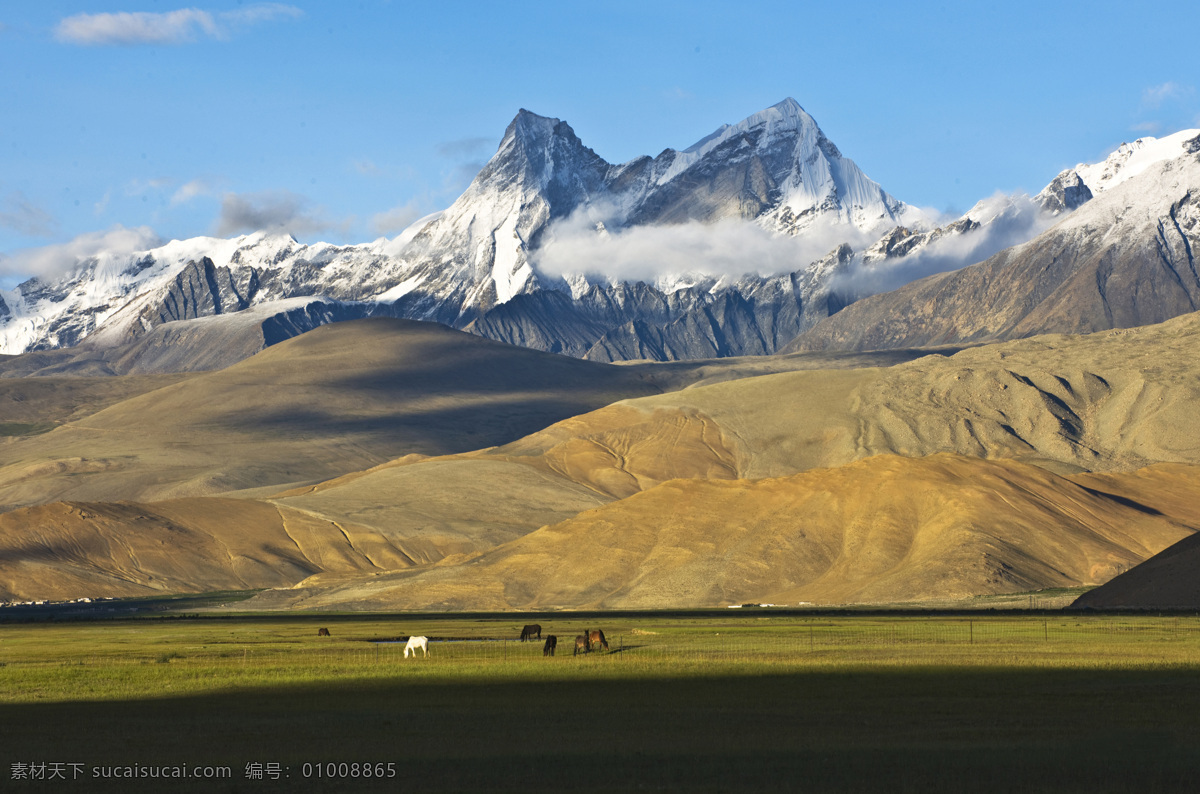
(581,644)
(529,631)
(597,638)
(550,646)
(323,632)
(414,643)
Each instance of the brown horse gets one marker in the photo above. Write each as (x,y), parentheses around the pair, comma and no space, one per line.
(529,631)
(581,644)
(323,632)
(550,646)
(597,638)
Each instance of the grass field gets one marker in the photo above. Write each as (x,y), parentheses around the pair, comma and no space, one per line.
(749,700)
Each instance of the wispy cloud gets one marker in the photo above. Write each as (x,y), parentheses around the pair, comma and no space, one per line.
(50,261)
(464,148)
(169,27)
(397,219)
(1149,127)
(21,215)
(1154,96)
(191,190)
(100,206)
(367,168)
(139,187)
(1014,220)
(275,211)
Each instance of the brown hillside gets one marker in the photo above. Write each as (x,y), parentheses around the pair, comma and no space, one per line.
(71,550)
(1168,580)
(884,529)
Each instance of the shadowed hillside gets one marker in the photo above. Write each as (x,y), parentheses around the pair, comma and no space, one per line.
(340,398)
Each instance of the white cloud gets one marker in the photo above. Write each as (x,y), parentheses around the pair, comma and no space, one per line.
(578,245)
(50,261)
(24,217)
(169,27)
(274,210)
(397,219)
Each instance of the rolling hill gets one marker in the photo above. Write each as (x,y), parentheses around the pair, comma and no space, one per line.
(884,529)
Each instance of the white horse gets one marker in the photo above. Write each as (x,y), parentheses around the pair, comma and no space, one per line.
(414,643)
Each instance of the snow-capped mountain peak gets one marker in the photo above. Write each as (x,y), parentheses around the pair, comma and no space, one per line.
(779,119)
(1131,159)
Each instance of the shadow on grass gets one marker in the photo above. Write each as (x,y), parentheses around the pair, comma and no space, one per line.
(912,730)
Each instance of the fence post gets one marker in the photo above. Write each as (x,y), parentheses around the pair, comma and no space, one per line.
(971,625)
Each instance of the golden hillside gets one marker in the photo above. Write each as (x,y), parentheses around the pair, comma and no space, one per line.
(70,550)
(884,529)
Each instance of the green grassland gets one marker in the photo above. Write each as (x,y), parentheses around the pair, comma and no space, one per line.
(749,700)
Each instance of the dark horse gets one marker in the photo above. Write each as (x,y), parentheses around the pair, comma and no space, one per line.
(322,632)
(551,644)
(530,631)
(597,638)
(581,644)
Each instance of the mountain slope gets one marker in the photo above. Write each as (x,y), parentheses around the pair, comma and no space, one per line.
(1168,580)
(1126,258)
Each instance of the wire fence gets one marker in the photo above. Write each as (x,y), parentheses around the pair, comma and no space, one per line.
(731,641)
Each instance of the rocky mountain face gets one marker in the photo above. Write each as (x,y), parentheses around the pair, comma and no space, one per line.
(1125,258)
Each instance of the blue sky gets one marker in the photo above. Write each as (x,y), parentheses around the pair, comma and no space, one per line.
(344,121)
